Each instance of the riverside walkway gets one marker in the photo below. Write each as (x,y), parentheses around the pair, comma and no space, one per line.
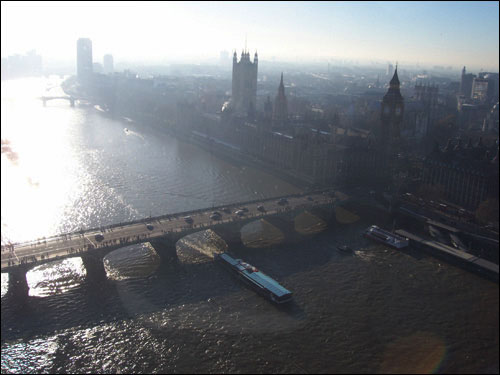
(123,234)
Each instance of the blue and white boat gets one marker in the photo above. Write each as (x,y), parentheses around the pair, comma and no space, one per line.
(259,281)
(386,237)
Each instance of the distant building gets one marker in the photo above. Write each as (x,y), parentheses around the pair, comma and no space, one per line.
(244,85)
(415,124)
(22,65)
(479,91)
(466,84)
(224,58)
(485,88)
(490,122)
(97,67)
(493,86)
(390,70)
(108,64)
(420,114)
(280,110)
(84,66)
(268,110)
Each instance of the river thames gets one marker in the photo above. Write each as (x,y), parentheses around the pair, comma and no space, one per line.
(375,311)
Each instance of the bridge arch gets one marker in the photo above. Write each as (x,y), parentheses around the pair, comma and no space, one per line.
(70,98)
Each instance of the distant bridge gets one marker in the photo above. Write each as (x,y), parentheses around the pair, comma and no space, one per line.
(71,99)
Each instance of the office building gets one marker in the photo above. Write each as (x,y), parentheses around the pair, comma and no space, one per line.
(84,66)
(108,64)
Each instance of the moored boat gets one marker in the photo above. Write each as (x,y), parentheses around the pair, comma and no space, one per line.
(386,237)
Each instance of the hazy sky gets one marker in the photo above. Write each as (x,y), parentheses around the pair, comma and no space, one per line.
(445,33)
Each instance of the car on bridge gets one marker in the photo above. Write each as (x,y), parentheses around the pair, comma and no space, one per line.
(150,227)
(99,237)
(283,201)
(261,208)
(216,216)
(240,213)
(188,219)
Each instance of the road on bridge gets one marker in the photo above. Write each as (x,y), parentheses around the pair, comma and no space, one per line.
(71,244)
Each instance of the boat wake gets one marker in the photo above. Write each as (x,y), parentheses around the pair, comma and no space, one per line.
(130,132)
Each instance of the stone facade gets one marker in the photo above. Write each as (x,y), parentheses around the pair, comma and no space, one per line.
(244,85)
(280,110)
(468,174)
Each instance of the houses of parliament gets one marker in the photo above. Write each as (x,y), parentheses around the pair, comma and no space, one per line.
(321,158)
(340,157)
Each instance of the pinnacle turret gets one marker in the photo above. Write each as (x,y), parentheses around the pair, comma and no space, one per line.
(395,79)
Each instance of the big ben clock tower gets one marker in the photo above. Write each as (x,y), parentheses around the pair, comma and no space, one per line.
(392,111)
(391,118)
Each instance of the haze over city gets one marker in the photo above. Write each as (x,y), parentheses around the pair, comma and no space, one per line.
(250,187)
(424,33)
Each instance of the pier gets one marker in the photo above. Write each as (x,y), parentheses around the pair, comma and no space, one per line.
(454,256)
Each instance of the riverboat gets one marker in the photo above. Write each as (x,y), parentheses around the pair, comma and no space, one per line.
(386,237)
(257,280)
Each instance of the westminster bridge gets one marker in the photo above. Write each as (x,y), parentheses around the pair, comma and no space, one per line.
(93,244)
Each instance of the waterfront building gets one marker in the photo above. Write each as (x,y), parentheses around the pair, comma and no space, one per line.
(84,66)
(341,157)
(325,156)
(244,85)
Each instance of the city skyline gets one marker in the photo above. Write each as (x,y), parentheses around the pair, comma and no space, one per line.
(435,33)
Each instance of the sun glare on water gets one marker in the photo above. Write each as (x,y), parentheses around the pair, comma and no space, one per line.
(38,167)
